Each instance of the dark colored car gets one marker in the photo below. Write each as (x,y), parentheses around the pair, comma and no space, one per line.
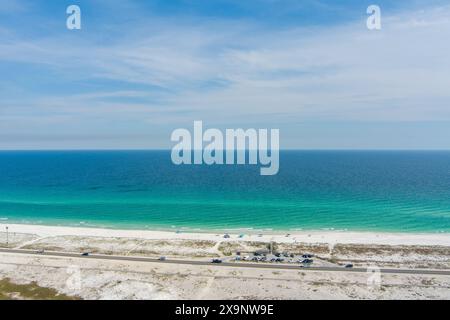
(216,261)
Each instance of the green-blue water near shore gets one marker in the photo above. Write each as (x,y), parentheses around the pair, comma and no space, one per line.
(393,191)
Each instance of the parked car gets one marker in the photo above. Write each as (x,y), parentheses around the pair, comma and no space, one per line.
(85,254)
(349,266)
(216,261)
(307,261)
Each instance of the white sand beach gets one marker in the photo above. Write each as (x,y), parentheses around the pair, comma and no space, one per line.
(110,279)
(328,237)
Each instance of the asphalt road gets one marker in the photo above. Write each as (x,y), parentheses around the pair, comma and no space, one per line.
(226,264)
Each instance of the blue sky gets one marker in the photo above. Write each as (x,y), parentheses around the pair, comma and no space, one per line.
(140,69)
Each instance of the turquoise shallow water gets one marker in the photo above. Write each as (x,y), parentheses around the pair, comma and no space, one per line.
(344,190)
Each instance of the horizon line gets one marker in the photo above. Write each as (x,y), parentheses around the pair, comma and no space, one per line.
(161,149)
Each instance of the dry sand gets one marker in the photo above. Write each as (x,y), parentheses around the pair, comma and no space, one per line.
(91,279)
(98,279)
(342,237)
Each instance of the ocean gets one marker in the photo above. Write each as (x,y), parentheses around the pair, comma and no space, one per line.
(392,191)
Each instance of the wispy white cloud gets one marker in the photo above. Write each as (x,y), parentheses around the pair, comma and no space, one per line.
(13,6)
(220,71)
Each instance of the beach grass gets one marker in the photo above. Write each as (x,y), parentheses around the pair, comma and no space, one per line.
(31,291)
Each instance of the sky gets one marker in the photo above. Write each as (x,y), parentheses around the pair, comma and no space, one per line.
(137,70)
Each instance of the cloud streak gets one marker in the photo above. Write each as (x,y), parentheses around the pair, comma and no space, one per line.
(225,71)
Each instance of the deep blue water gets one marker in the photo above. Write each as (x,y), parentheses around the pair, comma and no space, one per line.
(405,191)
